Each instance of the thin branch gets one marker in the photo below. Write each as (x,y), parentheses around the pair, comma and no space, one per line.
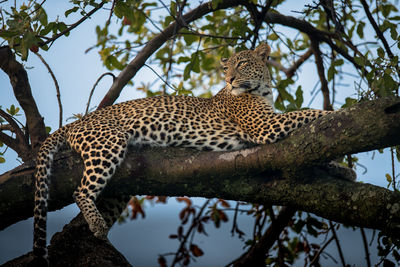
(321,73)
(194,223)
(73,26)
(38,7)
(161,78)
(339,248)
(57,88)
(365,243)
(289,72)
(393,169)
(211,35)
(94,87)
(376,28)
(255,256)
(316,257)
(20,136)
(305,27)
(10,142)
(7,127)
(111,12)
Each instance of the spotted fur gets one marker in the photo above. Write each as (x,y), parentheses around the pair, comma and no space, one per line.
(241,113)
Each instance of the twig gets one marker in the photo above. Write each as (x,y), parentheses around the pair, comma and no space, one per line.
(211,35)
(364,238)
(234,223)
(20,135)
(376,28)
(57,88)
(339,248)
(73,25)
(393,169)
(256,254)
(94,87)
(7,127)
(378,32)
(192,226)
(18,144)
(111,12)
(38,7)
(316,257)
(289,72)
(161,78)
(321,73)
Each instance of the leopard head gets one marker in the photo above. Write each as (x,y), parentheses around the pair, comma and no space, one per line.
(247,72)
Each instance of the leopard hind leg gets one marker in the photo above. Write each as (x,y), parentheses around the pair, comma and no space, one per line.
(100,166)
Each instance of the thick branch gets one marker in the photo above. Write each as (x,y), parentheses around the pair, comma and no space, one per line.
(263,174)
(23,93)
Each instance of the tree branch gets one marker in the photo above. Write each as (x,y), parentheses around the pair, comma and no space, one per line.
(22,91)
(256,255)
(376,28)
(57,88)
(289,72)
(73,26)
(279,174)
(321,73)
(18,144)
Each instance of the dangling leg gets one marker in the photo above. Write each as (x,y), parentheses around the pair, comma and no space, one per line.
(99,168)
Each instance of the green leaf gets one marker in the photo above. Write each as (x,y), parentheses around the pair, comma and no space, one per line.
(2,160)
(72,10)
(388,177)
(349,102)
(115,63)
(299,97)
(331,72)
(190,38)
(393,32)
(11,110)
(48,129)
(360,29)
(183,59)
(381,52)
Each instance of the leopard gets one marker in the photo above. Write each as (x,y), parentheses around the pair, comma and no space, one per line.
(241,114)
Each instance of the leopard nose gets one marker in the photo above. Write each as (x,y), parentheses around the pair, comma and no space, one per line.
(230,79)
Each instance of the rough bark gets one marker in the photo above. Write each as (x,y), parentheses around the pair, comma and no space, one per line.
(76,246)
(280,173)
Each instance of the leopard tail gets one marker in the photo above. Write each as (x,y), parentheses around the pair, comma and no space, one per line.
(42,173)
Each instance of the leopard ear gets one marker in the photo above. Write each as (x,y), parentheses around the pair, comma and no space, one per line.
(263,51)
(223,61)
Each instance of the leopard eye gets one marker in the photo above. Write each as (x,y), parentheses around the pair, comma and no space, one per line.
(242,63)
(225,69)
